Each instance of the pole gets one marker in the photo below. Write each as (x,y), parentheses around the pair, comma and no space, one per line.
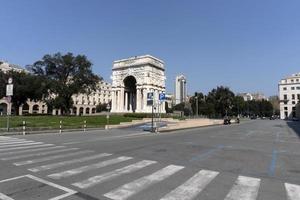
(7,121)
(107,120)
(24,127)
(197,107)
(152,127)
(158,116)
(84,125)
(60,126)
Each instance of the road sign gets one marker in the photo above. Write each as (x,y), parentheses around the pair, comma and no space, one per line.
(150,97)
(10,80)
(9,89)
(162,96)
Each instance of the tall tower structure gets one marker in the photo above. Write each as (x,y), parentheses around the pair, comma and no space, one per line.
(180,89)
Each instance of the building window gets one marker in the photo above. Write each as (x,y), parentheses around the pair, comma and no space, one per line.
(297,80)
(285,97)
(292,80)
(298,96)
(285,108)
(284,88)
(293,88)
(293,96)
(293,102)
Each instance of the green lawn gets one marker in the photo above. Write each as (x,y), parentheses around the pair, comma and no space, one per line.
(68,122)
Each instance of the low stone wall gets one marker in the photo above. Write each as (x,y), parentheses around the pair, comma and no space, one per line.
(137,122)
(174,124)
(191,123)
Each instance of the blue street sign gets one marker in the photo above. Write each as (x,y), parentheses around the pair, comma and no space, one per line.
(162,96)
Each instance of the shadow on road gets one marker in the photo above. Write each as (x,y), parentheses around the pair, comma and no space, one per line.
(295,125)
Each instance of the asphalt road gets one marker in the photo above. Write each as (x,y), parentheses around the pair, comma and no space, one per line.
(253,160)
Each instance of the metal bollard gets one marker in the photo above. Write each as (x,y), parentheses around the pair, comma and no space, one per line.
(84,125)
(60,126)
(24,127)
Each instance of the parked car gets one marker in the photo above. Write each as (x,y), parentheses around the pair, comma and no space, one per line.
(253,117)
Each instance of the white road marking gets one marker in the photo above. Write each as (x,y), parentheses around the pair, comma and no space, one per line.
(15,141)
(4,197)
(293,191)
(113,174)
(27,147)
(7,138)
(27,162)
(38,154)
(88,167)
(30,150)
(192,187)
(245,188)
(68,162)
(129,189)
(68,191)
(18,145)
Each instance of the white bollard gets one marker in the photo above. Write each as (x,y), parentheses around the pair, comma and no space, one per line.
(60,122)
(84,125)
(24,127)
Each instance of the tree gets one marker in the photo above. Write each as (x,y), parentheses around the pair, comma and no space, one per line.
(67,75)
(3,82)
(222,99)
(101,107)
(201,101)
(274,100)
(239,106)
(26,86)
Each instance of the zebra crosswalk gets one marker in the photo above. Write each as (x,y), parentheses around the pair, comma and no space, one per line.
(86,169)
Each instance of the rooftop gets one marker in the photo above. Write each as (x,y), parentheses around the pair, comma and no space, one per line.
(138,60)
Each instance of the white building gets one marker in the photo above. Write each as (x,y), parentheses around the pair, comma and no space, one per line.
(84,104)
(289,95)
(180,89)
(254,96)
(246,96)
(5,67)
(133,79)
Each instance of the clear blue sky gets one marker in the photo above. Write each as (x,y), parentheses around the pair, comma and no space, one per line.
(248,45)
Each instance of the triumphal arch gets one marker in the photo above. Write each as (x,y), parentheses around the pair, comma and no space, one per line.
(133,79)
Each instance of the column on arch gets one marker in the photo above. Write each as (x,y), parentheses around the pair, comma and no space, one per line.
(126,101)
(113,100)
(144,100)
(122,99)
(138,100)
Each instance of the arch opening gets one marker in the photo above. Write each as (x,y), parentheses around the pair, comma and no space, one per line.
(35,109)
(25,108)
(130,94)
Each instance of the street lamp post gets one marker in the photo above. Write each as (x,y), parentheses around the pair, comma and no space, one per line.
(9,94)
(196,106)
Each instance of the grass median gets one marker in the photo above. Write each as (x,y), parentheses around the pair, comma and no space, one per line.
(53,122)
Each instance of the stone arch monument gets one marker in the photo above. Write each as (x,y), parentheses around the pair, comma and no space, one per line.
(133,79)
